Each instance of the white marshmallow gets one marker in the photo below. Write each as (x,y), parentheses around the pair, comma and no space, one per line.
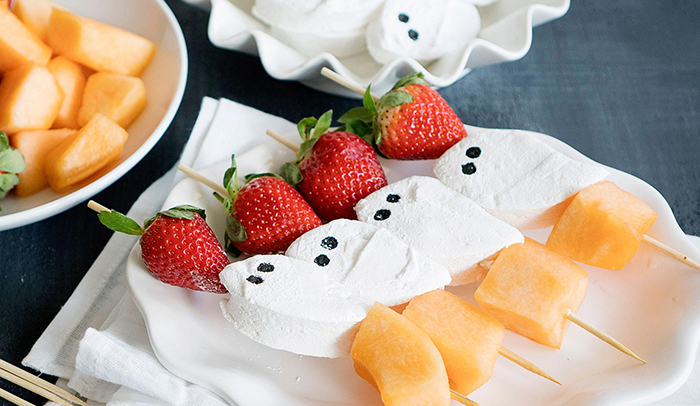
(422,30)
(318,16)
(293,306)
(518,178)
(439,223)
(371,262)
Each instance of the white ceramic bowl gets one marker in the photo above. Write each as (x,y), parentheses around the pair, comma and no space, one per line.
(165,80)
(506,35)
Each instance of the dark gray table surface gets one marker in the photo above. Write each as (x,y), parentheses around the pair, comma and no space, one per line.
(617,80)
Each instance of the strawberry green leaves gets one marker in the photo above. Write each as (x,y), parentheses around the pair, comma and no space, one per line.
(118,222)
(11,163)
(413,78)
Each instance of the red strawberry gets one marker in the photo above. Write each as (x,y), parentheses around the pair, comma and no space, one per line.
(266,215)
(335,169)
(177,246)
(11,163)
(412,121)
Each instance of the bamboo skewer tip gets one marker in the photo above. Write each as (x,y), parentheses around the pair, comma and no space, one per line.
(673,253)
(202,179)
(524,363)
(279,138)
(346,83)
(462,399)
(603,336)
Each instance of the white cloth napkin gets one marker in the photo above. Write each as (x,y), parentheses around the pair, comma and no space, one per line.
(98,344)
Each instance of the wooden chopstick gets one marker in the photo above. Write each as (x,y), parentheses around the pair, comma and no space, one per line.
(37,385)
(14,399)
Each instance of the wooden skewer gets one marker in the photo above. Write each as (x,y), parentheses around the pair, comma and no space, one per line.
(14,399)
(613,342)
(279,138)
(6,366)
(671,252)
(199,178)
(462,399)
(346,83)
(33,388)
(520,361)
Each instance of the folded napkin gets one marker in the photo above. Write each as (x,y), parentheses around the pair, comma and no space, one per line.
(98,344)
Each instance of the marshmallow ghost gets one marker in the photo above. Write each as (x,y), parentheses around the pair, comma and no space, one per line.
(291,305)
(422,30)
(440,223)
(371,262)
(515,177)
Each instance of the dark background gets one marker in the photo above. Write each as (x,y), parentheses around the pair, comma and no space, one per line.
(617,80)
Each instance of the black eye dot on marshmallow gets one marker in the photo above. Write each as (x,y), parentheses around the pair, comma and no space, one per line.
(403,18)
(322,260)
(468,169)
(392,198)
(413,34)
(266,267)
(474,152)
(329,243)
(382,214)
(255,280)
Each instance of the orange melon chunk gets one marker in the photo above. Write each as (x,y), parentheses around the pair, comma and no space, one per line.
(18,45)
(95,145)
(35,146)
(468,339)
(529,289)
(35,15)
(121,98)
(71,79)
(99,46)
(603,226)
(30,99)
(400,360)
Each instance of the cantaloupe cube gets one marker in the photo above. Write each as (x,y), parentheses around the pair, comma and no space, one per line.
(35,15)
(119,97)
(30,99)
(97,144)
(35,146)
(603,226)
(399,360)
(18,45)
(468,339)
(71,79)
(99,46)
(529,289)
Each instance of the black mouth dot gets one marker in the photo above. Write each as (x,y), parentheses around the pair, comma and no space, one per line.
(403,18)
(393,198)
(474,152)
(468,169)
(255,280)
(265,267)
(322,260)
(413,34)
(382,214)
(329,243)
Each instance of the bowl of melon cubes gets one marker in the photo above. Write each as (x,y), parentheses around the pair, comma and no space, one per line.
(87,88)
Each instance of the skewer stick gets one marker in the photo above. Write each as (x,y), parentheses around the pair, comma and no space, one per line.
(462,399)
(279,138)
(341,80)
(97,207)
(33,388)
(511,356)
(4,365)
(671,252)
(199,178)
(613,342)
(14,399)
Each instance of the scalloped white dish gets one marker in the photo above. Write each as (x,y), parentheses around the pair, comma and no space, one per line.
(506,35)
(650,306)
(165,80)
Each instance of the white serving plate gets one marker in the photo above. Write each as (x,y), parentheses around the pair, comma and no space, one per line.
(651,306)
(165,80)
(506,35)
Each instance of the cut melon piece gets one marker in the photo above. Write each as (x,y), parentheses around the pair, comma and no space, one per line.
(121,98)
(35,15)
(35,146)
(99,46)
(468,339)
(97,144)
(71,79)
(18,45)
(603,226)
(529,289)
(30,99)
(399,360)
